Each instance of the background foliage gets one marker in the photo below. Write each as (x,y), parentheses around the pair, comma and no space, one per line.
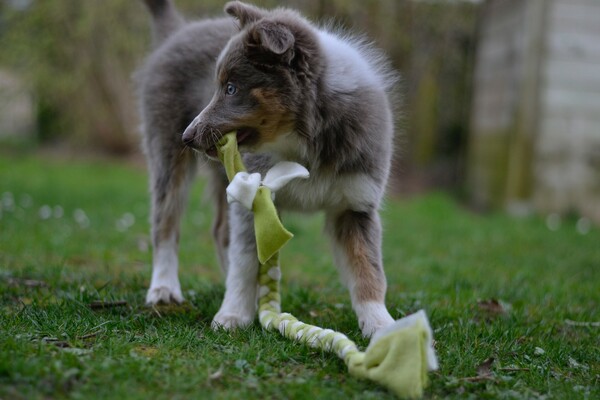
(78,58)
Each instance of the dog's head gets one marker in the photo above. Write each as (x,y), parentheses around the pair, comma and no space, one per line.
(262,77)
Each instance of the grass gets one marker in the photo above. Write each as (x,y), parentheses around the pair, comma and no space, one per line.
(502,295)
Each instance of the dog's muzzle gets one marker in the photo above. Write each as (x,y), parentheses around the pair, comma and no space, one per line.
(189,135)
(199,136)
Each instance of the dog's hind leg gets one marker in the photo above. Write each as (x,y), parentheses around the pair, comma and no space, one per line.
(356,238)
(171,171)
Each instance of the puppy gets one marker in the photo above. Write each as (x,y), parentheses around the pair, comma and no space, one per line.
(292,91)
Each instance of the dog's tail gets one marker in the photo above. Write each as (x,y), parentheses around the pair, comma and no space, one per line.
(165,19)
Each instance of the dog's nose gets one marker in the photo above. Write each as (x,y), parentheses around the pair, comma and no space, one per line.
(189,134)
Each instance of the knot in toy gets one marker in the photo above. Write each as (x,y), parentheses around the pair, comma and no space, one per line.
(244,186)
(248,190)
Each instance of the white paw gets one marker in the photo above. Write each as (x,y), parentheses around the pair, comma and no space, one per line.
(164,294)
(229,321)
(164,286)
(372,317)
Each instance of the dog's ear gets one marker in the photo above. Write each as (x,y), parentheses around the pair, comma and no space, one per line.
(245,13)
(274,37)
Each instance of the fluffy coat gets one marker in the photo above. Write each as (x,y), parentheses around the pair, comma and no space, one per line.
(292,91)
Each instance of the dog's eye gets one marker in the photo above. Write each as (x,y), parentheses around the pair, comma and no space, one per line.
(230,89)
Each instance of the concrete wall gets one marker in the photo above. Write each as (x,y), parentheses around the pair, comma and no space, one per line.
(498,78)
(535,129)
(567,158)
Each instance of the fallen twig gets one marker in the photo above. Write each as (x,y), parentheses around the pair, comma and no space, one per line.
(56,342)
(477,378)
(513,369)
(98,305)
(89,335)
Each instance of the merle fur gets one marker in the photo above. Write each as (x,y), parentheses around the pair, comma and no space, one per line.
(340,133)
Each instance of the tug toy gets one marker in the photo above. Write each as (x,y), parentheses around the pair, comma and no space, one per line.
(398,357)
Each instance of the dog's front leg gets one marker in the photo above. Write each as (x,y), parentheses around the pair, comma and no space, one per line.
(240,302)
(171,171)
(356,239)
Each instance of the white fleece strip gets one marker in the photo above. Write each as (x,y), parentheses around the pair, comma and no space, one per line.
(263,291)
(243,186)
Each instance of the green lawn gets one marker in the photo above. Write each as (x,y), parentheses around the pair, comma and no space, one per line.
(74,233)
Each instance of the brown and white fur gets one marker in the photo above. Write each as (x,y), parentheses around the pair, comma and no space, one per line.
(292,91)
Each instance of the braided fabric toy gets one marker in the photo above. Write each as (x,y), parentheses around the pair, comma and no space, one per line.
(398,357)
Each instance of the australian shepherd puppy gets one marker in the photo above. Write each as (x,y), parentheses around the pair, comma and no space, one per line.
(292,91)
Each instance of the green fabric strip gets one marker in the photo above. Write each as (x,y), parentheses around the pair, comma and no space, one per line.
(229,155)
(270,233)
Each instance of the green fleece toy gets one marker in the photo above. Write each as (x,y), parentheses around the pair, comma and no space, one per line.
(398,357)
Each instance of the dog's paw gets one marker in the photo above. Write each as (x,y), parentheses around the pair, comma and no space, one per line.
(229,321)
(164,294)
(372,317)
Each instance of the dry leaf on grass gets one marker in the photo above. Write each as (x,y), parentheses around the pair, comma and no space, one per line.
(492,308)
(485,368)
(484,372)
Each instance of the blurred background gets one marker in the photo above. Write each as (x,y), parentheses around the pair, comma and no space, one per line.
(501,98)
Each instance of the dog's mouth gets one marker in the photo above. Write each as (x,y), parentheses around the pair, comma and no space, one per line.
(245,137)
